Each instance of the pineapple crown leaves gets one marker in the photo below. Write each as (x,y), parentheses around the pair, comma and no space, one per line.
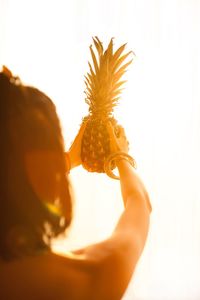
(103,81)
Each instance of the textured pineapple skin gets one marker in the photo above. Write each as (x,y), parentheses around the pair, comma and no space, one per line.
(95,146)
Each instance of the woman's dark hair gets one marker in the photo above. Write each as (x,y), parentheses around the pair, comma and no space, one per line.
(28,123)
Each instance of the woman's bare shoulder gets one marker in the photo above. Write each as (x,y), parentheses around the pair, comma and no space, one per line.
(48,276)
(99,271)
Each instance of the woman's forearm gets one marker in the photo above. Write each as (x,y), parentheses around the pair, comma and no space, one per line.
(135,217)
(131,184)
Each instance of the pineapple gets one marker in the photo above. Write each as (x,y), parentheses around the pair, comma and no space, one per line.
(103,89)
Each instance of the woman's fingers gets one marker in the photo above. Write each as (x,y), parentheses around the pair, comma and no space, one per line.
(111,130)
(118,140)
(82,129)
(113,138)
(79,136)
(121,132)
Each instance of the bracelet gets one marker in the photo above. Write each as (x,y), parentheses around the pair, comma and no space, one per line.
(110,162)
(68,162)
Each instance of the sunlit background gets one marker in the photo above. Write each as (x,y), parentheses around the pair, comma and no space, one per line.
(46,43)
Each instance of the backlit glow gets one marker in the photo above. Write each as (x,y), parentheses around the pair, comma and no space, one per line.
(46,43)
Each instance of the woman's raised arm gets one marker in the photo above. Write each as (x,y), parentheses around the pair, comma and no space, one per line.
(113,261)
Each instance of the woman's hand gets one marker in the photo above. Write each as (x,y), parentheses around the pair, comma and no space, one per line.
(118,141)
(74,152)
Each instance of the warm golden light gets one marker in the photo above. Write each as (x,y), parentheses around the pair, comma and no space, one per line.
(46,43)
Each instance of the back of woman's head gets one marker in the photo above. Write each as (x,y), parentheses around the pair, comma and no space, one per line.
(35,203)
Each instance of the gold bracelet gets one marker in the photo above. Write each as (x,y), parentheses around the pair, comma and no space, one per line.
(110,162)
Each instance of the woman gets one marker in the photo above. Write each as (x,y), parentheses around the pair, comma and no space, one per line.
(36,206)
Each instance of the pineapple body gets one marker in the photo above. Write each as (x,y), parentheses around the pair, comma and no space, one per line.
(103,88)
(96,143)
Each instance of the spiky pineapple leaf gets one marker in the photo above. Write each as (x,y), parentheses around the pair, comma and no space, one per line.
(103,84)
(94,60)
(98,46)
(124,67)
(120,60)
(100,43)
(119,52)
(110,50)
(118,84)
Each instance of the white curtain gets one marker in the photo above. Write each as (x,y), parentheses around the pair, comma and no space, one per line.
(46,43)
